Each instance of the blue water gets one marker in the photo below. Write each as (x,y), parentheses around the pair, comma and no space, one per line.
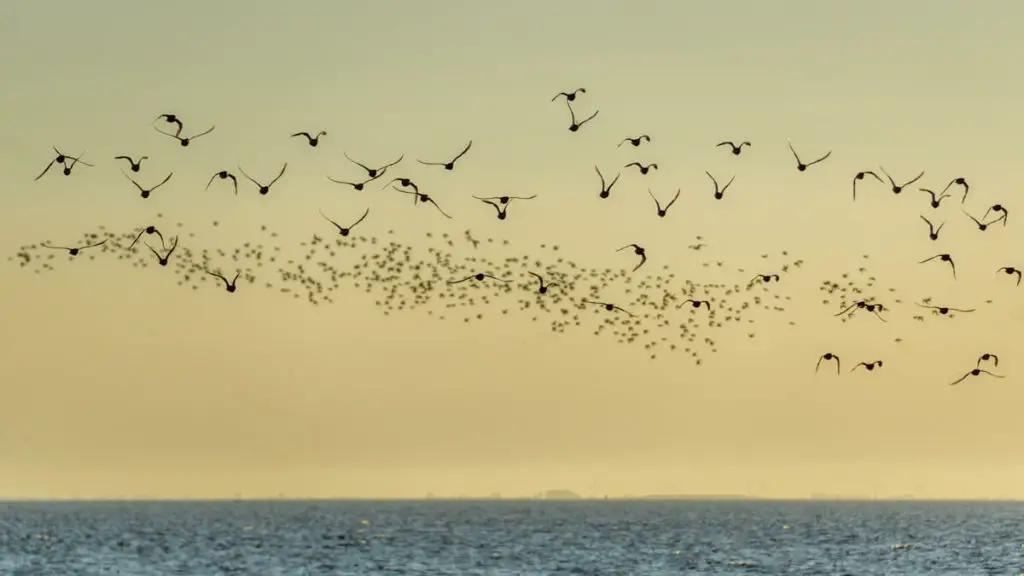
(511,538)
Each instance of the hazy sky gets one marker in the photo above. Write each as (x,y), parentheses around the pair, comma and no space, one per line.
(118,382)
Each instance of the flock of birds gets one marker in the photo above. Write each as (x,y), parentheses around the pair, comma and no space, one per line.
(446,279)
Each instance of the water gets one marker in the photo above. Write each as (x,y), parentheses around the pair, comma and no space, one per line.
(511,538)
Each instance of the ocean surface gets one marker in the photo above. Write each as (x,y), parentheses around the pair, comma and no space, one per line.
(511,538)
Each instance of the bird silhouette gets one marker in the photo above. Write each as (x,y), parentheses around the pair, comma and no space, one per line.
(606,190)
(869,366)
(542,288)
(736,149)
(310,139)
(426,199)
(643,169)
(345,230)
(133,164)
(897,188)
(933,232)
(450,164)
(264,189)
(163,259)
(986,357)
(662,211)
(800,165)
(634,141)
(829,356)
(171,119)
(224,175)
(639,251)
(607,306)
(936,200)
(860,176)
(151,229)
(944,258)
(719,193)
(974,372)
(999,208)
(185,141)
(963,184)
(479,277)
(569,96)
(146,192)
(374,172)
(74,250)
(1008,270)
(574,126)
(229,286)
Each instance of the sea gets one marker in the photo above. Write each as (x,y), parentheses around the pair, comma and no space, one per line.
(439,538)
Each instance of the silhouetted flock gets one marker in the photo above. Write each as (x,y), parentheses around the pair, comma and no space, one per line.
(446,275)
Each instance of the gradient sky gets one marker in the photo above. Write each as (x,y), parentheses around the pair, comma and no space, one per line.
(118,383)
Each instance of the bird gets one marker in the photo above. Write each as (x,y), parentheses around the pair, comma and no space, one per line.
(505,199)
(869,366)
(134,165)
(936,200)
(643,169)
(344,230)
(736,149)
(963,183)
(943,258)
(607,306)
(75,162)
(223,175)
(148,230)
(696,303)
(312,140)
(828,356)
(634,141)
(171,119)
(860,176)
(166,257)
(185,141)
(763,279)
(373,172)
(145,192)
(75,250)
(874,308)
(61,158)
(265,188)
(501,208)
(575,126)
(983,226)
(1011,270)
(639,251)
(944,310)
(933,232)
(407,182)
(420,197)
(606,190)
(974,372)
(570,96)
(449,165)
(997,208)
(986,357)
(799,163)
(229,286)
(662,211)
(543,287)
(362,185)
(479,277)
(720,193)
(897,188)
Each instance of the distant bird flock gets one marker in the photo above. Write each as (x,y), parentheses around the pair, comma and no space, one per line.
(663,312)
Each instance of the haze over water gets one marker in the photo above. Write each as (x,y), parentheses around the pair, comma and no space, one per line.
(119,383)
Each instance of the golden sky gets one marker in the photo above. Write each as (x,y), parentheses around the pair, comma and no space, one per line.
(119,383)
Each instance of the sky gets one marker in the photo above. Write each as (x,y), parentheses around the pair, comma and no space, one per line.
(118,383)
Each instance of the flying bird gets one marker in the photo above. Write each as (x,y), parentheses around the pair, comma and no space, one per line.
(74,250)
(171,119)
(634,141)
(570,96)
(223,175)
(762,279)
(265,188)
(185,141)
(148,230)
(869,366)
(975,372)
(736,149)
(134,165)
(420,197)
(406,182)
(800,164)
(639,251)
(944,258)
(543,287)
(897,188)
(575,126)
(312,140)
(696,303)
(828,356)
(664,210)
(1011,270)
(860,176)
(720,193)
(62,159)
(643,169)
(607,306)
(166,257)
(479,277)
(944,310)
(986,357)
(373,172)
(933,232)
(345,230)
(229,286)
(145,192)
(450,164)
(936,199)
(362,185)
(606,190)
(983,226)
(505,199)
(1000,209)
(963,184)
